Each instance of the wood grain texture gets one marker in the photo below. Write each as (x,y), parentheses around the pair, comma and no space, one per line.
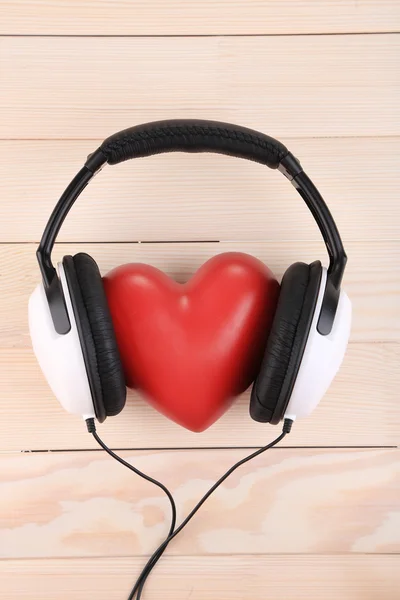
(289,86)
(300,522)
(196,17)
(366,389)
(372,278)
(360,408)
(286,501)
(312,577)
(204,197)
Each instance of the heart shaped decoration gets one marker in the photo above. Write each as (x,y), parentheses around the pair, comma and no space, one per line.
(191,348)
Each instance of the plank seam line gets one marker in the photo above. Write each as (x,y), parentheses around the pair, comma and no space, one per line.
(195,448)
(200,35)
(34,243)
(303,555)
(239,241)
(287,137)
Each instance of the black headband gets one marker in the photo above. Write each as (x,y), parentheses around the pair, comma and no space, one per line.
(191,135)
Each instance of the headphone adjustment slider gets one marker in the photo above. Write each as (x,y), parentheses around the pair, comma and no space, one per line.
(290,166)
(96,161)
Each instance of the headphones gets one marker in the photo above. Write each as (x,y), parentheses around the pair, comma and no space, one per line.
(69,319)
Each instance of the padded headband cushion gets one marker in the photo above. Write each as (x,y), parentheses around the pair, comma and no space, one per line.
(191,135)
(297,300)
(97,336)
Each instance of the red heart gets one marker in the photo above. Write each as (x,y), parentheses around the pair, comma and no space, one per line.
(190,348)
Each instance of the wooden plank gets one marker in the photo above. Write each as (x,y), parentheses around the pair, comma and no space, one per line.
(202,197)
(303,86)
(366,389)
(360,408)
(206,578)
(287,501)
(196,17)
(372,277)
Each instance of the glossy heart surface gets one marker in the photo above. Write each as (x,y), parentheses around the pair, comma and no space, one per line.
(191,348)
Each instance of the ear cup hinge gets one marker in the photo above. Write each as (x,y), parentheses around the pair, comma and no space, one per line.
(57,306)
(329,307)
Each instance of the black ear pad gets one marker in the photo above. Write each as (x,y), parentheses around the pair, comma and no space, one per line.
(288,337)
(96,334)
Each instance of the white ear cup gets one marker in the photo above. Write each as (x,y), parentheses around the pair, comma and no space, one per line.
(322,357)
(60,356)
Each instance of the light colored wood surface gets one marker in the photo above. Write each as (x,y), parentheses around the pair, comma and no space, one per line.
(318,518)
(203,197)
(365,390)
(299,86)
(287,501)
(360,408)
(312,577)
(196,17)
(372,277)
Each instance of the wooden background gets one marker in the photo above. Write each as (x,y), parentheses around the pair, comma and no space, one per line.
(319,517)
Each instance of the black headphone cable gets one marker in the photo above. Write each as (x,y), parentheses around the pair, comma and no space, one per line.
(138,587)
(91,427)
(154,558)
